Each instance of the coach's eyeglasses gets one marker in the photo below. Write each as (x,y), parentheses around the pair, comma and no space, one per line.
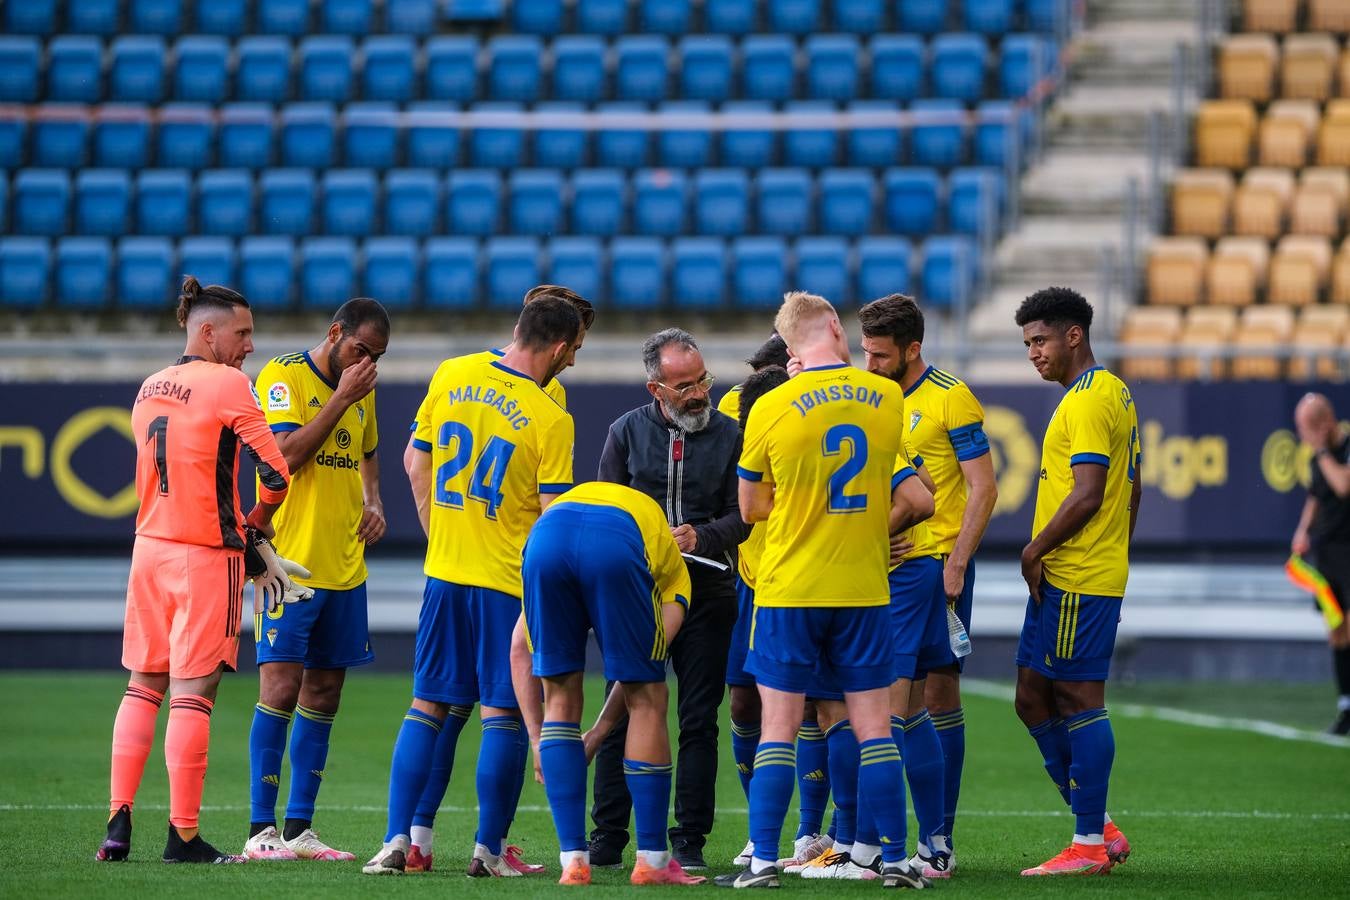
(704,384)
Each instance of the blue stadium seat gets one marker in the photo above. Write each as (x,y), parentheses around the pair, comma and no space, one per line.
(561,148)
(623,146)
(846,201)
(102,202)
(923,16)
(41,202)
(430,142)
(13,138)
(122,137)
(18,69)
(578,68)
(225,17)
(814,146)
(637,272)
(996,129)
(759,272)
(83,272)
(308,135)
(289,17)
(185,136)
(286,202)
(1026,60)
(948,271)
(912,200)
(389,72)
(326,68)
(602,16)
(346,16)
(267,271)
(450,273)
(4,203)
(659,200)
(514,67)
(794,16)
(959,62)
(991,17)
(597,202)
(705,67)
(784,201)
(245,136)
(370,135)
(93,17)
(225,202)
(145,273)
(691,149)
(201,68)
(832,66)
(883,267)
(767,69)
(475,11)
(859,16)
(498,146)
(473,202)
(641,70)
(974,201)
(390,273)
(512,269)
(576,262)
(264,69)
(536,201)
(822,268)
(412,199)
(37,17)
(349,202)
(897,67)
(939,134)
(452,68)
(1046,16)
(730,16)
(137,72)
(721,202)
(537,17)
(672,17)
(59,136)
(698,273)
(25,270)
(878,145)
(74,68)
(749,148)
(414,16)
(327,272)
(155,17)
(211,260)
(164,203)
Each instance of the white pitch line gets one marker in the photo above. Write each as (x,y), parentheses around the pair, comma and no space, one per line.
(1182,717)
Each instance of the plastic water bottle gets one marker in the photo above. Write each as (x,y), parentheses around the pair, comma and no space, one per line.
(956,634)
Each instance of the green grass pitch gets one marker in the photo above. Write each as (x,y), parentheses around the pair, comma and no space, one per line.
(1210,812)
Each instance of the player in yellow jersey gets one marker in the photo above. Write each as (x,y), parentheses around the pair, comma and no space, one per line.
(555,387)
(816,469)
(772,352)
(944,426)
(1076,566)
(320,405)
(489,451)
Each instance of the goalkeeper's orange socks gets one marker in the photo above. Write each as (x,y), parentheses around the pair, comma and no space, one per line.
(133,733)
(1093,750)
(185,746)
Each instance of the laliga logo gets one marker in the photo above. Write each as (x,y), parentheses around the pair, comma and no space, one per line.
(1016,457)
(1286,462)
(80,428)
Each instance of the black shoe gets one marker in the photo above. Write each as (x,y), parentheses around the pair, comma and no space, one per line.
(746,878)
(902,875)
(196,850)
(606,853)
(116,847)
(1342,724)
(688,856)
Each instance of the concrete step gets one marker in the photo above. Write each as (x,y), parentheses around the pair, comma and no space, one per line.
(1135,52)
(1101,11)
(1071,181)
(1101,116)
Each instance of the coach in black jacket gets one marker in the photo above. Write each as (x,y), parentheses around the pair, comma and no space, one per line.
(682,453)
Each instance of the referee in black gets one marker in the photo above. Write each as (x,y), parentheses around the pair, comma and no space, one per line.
(1323,534)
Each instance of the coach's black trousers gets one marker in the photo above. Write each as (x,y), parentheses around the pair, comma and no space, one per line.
(699,660)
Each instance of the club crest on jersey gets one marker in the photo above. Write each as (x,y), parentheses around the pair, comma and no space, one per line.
(914,418)
(361,414)
(278,396)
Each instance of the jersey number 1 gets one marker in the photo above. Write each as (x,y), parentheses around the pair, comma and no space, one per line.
(159,433)
(852,440)
(489,472)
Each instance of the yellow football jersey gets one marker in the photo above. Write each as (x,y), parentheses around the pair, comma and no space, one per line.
(730,404)
(497,442)
(749,554)
(945,426)
(827,441)
(907,463)
(554,388)
(1096,422)
(663,555)
(316,526)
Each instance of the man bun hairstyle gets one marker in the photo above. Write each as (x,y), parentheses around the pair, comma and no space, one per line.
(583,306)
(193,297)
(360,311)
(1058,307)
(757,385)
(895,316)
(547,321)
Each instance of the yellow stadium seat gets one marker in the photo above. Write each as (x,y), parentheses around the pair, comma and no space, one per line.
(1343,68)
(1329,15)
(1299,270)
(1286,133)
(1330,178)
(1340,278)
(1319,333)
(1255,250)
(1207,331)
(1333,138)
(1176,271)
(1270,15)
(1200,202)
(1223,133)
(1262,328)
(1247,64)
(1230,281)
(1308,65)
(1315,210)
(1147,327)
(1262,201)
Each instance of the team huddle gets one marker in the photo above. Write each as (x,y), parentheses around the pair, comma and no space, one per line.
(857,499)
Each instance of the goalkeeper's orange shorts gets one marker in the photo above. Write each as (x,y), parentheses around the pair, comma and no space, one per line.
(184,604)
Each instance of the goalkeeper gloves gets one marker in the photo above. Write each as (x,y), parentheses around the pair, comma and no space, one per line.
(271,574)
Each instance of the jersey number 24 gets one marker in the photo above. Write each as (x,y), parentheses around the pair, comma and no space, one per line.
(487,476)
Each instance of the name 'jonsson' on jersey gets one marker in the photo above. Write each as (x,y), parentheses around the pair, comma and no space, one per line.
(836,392)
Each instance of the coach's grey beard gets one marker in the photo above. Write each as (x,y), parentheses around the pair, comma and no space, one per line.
(686,420)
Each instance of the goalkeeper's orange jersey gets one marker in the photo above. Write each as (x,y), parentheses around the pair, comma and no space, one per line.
(190,421)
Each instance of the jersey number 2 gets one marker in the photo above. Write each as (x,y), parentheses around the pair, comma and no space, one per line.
(852,440)
(159,433)
(489,472)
